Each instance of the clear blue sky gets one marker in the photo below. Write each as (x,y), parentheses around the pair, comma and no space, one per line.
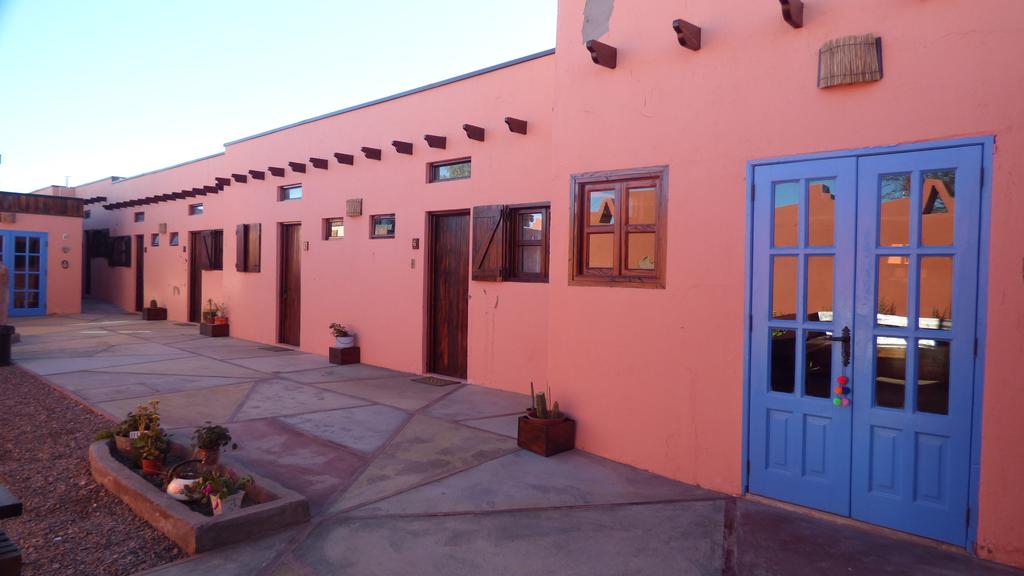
(97,88)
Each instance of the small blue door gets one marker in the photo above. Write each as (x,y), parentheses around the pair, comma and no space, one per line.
(876,426)
(24,253)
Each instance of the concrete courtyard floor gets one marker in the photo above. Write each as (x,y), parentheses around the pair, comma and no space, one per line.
(409,478)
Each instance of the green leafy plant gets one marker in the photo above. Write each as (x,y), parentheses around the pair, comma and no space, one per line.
(218,484)
(152,444)
(211,311)
(338,330)
(144,417)
(540,407)
(212,437)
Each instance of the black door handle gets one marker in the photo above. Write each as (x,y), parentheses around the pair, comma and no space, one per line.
(845,339)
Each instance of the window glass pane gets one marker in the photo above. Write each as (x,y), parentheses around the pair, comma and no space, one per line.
(531,226)
(785,199)
(599,250)
(450,171)
(602,207)
(890,371)
(894,224)
(933,376)
(938,202)
(892,290)
(383,226)
(291,193)
(936,287)
(195,209)
(819,288)
(643,204)
(531,259)
(336,228)
(821,212)
(784,287)
(640,249)
(173,241)
(140,216)
(783,360)
(818,365)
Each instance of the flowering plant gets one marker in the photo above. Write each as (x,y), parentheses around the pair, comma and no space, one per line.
(218,484)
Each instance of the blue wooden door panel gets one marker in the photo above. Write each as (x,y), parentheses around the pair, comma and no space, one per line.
(911,436)
(24,253)
(799,440)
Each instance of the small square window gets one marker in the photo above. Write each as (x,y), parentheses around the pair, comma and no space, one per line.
(140,216)
(529,262)
(450,170)
(195,209)
(334,228)
(290,193)
(382,226)
(173,239)
(88,213)
(154,240)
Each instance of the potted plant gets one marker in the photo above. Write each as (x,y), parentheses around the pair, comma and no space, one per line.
(342,337)
(224,491)
(145,417)
(215,320)
(208,440)
(152,446)
(154,312)
(545,430)
(221,314)
(210,312)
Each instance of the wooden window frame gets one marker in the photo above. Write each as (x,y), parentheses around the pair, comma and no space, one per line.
(327,228)
(432,166)
(394,229)
(173,239)
(514,242)
(154,239)
(617,180)
(248,247)
(282,194)
(139,217)
(196,209)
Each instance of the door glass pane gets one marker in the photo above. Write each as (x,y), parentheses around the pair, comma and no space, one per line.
(20,244)
(933,376)
(531,226)
(819,288)
(19,300)
(938,202)
(33,263)
(530,259)
(894,224)
(19,281)
(642,205)
(892,290)
(890,371)
(640,250)
(785,199)
(33,245)
(818,365)
(936,309)
(783,362)
(32,281)
(31,299)
(821,212)
(602,207)
(784,287)
(599,250)
(19,263)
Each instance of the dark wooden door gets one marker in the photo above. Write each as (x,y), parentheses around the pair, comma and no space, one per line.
(140,247)
(449,294)
(291,284)
(87,250)
(195,278)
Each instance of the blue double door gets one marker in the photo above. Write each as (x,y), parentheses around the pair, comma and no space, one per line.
(24,253)
(863,308)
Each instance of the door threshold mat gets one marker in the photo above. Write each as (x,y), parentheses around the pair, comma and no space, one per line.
(435,381)
(183,324)
(276,349)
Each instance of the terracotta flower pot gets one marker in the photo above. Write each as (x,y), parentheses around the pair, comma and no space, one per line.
(231,503)
(209,456)
(124,446)
(152,467)
(220,320)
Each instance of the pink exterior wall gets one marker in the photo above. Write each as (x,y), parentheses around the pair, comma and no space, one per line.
(654,376)
(64,285)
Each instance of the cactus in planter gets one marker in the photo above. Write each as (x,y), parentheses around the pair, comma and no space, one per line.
(540,408)
(540,405)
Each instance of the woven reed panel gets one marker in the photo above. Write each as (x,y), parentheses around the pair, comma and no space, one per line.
(850,60)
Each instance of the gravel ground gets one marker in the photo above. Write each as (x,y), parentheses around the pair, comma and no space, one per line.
(71,525)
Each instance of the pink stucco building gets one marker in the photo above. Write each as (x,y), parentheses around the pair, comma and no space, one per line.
(673,242)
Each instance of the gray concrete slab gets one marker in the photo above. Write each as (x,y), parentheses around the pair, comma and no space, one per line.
(471,402)
(48,366)
(161,383)
(116,392)
(364,429)
(188,408)
(239,560)
(648,540)
(340,373)
(504,425)
(425,450)
(280,397)
(230,348)
(191,365)
(282,362)
(400,392)
(525,480)
(140,349)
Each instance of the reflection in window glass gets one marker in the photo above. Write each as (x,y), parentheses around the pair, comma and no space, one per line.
(892,290)
(894,223)
(531,226)
(599,251)
(531,259)
(821,212)
(290,193)
(933,376)
(783,360)
(642,205)
(784,287)
(819,288)
(334,228)
(936,289)
(456,170)
(938,203)
(890,371)
(785,201)
(602,207)
(640,250)
(818,365)
(173,239)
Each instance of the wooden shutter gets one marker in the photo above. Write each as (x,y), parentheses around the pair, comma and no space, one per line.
(240,239)
(247,247)
(489,243)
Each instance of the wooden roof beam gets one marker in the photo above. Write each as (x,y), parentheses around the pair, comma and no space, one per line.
(603,54)
(515,125)
(371,153)
(345,158)
(474,132)
(319,163)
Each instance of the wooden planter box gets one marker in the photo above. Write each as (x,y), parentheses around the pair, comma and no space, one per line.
(546,439)
(345,355)
(215,330)
(154,313)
